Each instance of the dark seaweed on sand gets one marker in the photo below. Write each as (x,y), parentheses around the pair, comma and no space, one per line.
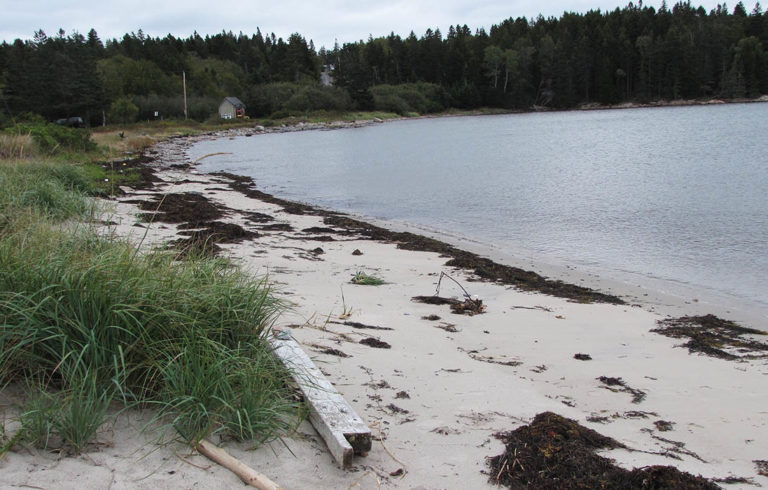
(362,326)
(186,207)
(330,351)
(205,240)
(710,335)
(482,267)
(554,452)
(637,395)
(244,185)
(376,343)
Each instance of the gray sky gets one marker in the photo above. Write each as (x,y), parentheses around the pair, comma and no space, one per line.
(323,22)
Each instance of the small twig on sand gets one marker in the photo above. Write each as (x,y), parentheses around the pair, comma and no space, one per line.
(443,274)
(205,468)
(537,307)
(381,440)
(503,467)
(369,472)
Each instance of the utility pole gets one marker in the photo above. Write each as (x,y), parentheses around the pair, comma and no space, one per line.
(184,84)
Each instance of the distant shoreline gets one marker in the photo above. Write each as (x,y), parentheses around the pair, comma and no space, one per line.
(595,106)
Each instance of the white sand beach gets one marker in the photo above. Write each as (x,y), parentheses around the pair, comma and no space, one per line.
(436,396)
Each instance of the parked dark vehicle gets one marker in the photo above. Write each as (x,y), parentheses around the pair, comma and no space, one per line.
(71,122)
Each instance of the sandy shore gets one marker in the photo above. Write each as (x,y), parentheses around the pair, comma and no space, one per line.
(447,382)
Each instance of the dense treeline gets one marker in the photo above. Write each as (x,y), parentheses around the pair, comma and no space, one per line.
(631,54)
(636,53)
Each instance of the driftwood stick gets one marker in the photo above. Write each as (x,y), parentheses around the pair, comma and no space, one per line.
(443,274)
(246,473)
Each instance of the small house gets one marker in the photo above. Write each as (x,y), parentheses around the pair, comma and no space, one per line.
(326,77)
(231,108)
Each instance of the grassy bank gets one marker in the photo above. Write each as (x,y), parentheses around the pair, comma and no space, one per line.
(89,325)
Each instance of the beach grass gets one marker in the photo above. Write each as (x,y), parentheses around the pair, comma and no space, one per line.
(210,389)
(39,191)
(88,322)
(16,146)
(364,279)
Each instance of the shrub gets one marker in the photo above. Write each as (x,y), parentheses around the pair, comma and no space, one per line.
(318,97)
(53,138)
(409,97)
(172,107)
(166,106)
(30,118)
(5,119)
(465,96)
(201,108)
(268,98)
(137,144)
(123,111)
(390,102)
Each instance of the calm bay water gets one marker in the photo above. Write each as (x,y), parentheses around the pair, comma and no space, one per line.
(679,194)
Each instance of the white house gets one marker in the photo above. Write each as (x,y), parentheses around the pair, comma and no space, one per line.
(231,108)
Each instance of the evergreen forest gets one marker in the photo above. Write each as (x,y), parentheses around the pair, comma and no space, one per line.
(631,54)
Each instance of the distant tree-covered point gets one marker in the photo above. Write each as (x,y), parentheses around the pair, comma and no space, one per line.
(630,54)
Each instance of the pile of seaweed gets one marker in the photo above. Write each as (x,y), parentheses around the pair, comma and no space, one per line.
(710,335)
(204,239)
(198,216)
(185,207)
(554,452)
(468,306)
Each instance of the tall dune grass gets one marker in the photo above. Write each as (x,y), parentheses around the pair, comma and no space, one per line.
(42,191)
(17,146)
(88,321)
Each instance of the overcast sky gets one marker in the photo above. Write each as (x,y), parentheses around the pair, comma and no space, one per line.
(321,21)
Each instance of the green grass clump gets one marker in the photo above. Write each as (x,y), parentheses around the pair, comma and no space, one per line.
(363,279)
(91,322)
(37,419)
(45,190)
(106,178)
(208,389)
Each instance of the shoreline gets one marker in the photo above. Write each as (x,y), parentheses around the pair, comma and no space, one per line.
(296,123)
(667,296)
(590,106)
(316,301)
(661,295)
(434,386)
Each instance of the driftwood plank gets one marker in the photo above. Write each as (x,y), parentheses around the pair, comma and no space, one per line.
(343,431)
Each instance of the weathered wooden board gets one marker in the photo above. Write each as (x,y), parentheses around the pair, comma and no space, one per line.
(343,431)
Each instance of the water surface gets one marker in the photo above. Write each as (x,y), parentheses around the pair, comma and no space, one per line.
(672,193)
